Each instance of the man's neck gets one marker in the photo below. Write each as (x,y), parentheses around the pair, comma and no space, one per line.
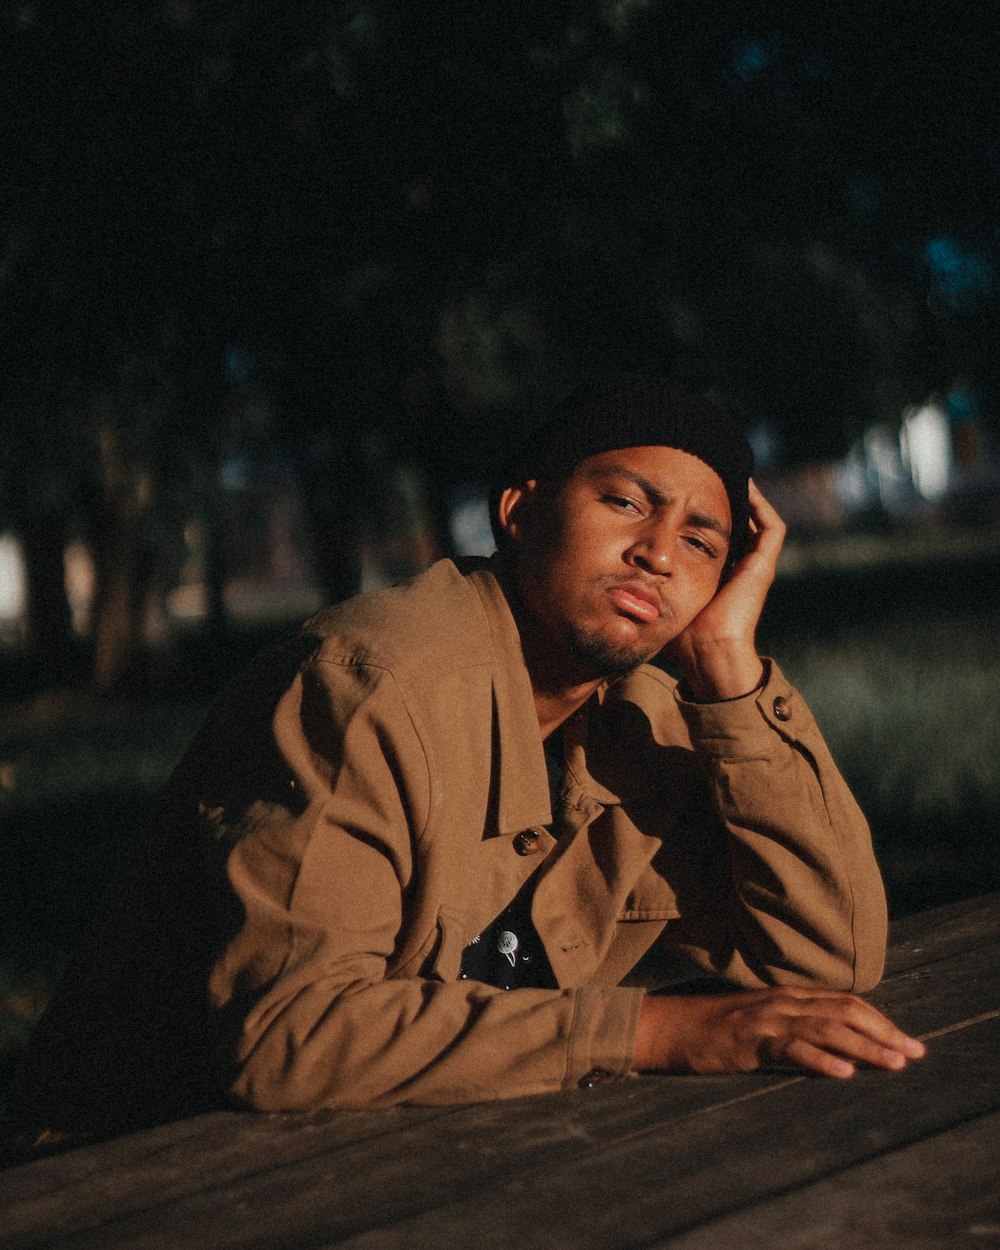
(558,686)
(555,707)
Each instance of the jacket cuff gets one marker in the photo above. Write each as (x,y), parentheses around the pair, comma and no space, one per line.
(741,728)
(602,1037)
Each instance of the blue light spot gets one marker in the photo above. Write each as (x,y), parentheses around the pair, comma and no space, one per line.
(958,274)
(752,58)
(239,364)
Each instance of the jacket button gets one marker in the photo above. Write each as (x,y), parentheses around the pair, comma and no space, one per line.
(526,842)
(596,1076)
(782,708)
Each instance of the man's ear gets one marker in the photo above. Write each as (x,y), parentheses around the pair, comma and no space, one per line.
(515,507)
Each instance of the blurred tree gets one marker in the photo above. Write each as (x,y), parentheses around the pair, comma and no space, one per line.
(85,297)
(421,222)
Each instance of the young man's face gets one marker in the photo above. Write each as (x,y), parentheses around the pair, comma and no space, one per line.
(617,560)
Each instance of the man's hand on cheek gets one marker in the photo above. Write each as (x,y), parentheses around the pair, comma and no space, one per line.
(717,652)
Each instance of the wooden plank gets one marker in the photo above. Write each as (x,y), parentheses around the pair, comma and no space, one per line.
(217,1164)
(243,1147)
(82,1188)
(949,930)
(941,994)
(646,1189)
(928,1196)
(481,1172)
(225,1156)
(208,1148)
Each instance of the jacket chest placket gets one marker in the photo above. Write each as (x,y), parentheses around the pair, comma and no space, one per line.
(573,912)
(503,865)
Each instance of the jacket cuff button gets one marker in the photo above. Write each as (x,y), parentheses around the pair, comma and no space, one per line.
(596,1076)
(782,708)
(526,843)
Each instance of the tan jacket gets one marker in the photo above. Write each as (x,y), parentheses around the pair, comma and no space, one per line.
(348,820)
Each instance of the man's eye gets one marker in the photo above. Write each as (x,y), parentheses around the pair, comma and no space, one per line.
(700,545)
(621,502)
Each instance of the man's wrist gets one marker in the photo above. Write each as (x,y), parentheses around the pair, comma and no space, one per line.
(723,679)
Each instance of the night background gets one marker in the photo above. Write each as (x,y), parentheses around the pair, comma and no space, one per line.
(281,283)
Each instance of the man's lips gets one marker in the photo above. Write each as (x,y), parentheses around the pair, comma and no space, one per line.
(636,601)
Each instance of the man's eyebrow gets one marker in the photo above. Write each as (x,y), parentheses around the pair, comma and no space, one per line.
(703,520)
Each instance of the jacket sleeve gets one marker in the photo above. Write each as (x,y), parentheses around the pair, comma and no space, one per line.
(797,897)
(327,996)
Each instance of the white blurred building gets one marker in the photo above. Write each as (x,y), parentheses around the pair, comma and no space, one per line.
(926,447)
(13,588)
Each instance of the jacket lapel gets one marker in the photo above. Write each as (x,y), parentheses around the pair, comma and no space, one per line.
(520,780)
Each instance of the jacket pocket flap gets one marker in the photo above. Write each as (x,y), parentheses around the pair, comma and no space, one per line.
(651,898)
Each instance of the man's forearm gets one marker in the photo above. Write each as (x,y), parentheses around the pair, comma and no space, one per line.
(802,900)
(420,1041)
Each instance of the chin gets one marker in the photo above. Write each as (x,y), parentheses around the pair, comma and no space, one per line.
(601,656)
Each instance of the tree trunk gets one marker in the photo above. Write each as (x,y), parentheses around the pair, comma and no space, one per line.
(116,628)
(50,633)
(118,513)
(334,488)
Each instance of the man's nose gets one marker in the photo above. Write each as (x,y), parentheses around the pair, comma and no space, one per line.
(653,552)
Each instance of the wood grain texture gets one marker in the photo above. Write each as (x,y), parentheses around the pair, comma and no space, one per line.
(640,1162)
(644,1189)
(923,1197)
(956,927)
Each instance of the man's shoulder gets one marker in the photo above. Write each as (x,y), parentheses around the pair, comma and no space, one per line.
(434,620)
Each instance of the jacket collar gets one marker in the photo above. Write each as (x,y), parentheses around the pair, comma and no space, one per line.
(523,796)
(579,734)
(522,793)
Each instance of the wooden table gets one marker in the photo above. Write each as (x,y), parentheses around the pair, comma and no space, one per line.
(907,1159)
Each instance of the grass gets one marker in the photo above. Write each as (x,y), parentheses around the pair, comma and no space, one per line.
(910,714)
(77,777)
(895,643)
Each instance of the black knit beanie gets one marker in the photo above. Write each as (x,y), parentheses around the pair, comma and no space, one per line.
(633,411)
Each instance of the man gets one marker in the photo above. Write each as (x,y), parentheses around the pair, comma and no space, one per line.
(438,846)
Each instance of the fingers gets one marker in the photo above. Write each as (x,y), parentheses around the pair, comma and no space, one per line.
(762,514)
(864,1020)
(861,1017)
(766,525)
(833,1033)
(805,1055)
(835,1049)
(824,1031)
